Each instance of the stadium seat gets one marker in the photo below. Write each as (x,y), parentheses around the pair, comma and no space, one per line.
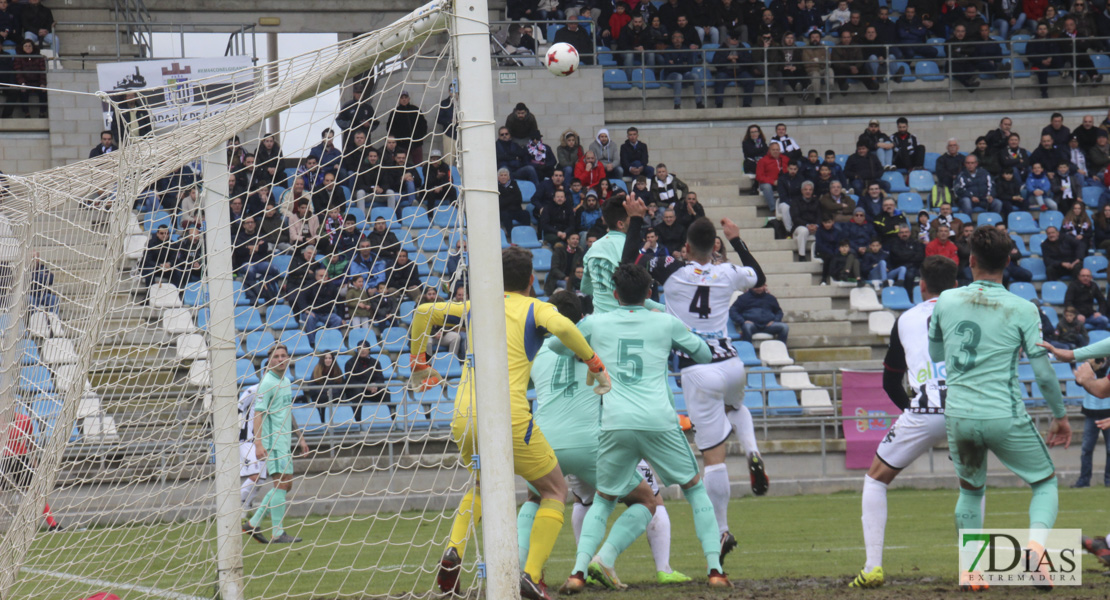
(903,70)
(504,240)
(296,342)
(256,343)
(1097,335)
(38,325)
(1051,218)
(1025,372)
(746,352)
(1063,371)
(163,295)
(1023,290)
(527,190)
(896,181)
(615,79)
(928,70)
(773,354)
(195,294)
(921,181)
(414,217)
(381,211)
(28,352)
(917,299)
(863,299)
(309,419)
(605,57)
(447,364)
(931,161)
(191,346)
(35,379)
(842,159)
(783,402)
(247,319)
(880,323)
(358,335)
(405,311)
(1019,244)
(1097,265)
(909,202)
(202,319)
(1052,292)
(1035,266)
(1102,63)
(1054,320)
(643,78)
(395,339)
(754,402)
(279,317)
(330,340)
(177,320)
(1021,222)
(445,217)
(58,351)
(442,413)
(1035,243)
(896,298)
(1092,195)
(199,374)
(989,218)
(796,378)
(525,237)
(245,373)
(816,402)
(541,260)
(619,183)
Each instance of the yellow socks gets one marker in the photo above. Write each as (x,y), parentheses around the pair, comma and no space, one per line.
(545,530)
(469,511)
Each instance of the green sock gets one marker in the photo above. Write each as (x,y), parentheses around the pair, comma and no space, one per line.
(593,531)
(1042,510)
(277,511)
(263,508)
(705,525)
(628,527)
(524,520)
(969,515)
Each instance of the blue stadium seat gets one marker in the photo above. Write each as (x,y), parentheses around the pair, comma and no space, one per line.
(195,294)
(35,379)
(430,241)
(903,70)
(1018,42)
(1051,218)
(202,319)
(605,57)
(241,298)
(1024,290)
(931,161)
(504,240)
(361,334)
(928,70)
(910,202)
(754,402)
(279,317)
(1102,63)
(29,352)
(1025,372)
(386,365)
(247,319)
(296,342)
(525,237)
(395,339)
(1097,335)
(709,48)
(256,343)
(938,43)
(280,262)
(1097,264)
(783,402)
(541,260)
(381,211)
(1063,371)
(746,352)
(443,412)
(1035,266)
(447,364)
(619,183)
(917,298)
(405,310)
(527,190)
(46,409)
(1035,243)
(989,218)
(1054,319)
(309,418)
(921,181)
(456,177)
(330,340)
(414,217)
(1092,195)
(153,220)
(445,217)
(1022,222)
(896,298)
(245,373)
(643,78)
(1019,244)
(357,213)
(842,159)
(896,181)
(615,79)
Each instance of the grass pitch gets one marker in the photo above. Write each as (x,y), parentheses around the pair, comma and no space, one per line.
(796,547)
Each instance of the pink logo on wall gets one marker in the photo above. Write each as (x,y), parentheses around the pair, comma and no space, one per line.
(871,415)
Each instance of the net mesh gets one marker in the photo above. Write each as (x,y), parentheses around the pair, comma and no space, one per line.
(106,360)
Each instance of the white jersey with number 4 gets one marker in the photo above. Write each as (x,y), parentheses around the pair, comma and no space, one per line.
(700,296)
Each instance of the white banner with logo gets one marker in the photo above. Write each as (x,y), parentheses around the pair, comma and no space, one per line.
(189,89)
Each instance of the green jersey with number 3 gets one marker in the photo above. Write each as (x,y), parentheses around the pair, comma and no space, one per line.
(635,344)
(567,410)
(984,328)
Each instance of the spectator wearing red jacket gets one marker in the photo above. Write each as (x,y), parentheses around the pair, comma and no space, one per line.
(767,172)
(942,246)
(588,171)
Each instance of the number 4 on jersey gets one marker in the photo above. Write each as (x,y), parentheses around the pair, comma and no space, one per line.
(699,303)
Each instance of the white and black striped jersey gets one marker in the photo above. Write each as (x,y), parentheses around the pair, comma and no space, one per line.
(246,413)
(700,296)
(909,353)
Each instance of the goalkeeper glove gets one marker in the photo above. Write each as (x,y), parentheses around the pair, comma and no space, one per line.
(423,377)
(598,377)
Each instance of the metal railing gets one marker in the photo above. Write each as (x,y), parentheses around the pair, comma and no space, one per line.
(134,15)
(242,40)
(502,50)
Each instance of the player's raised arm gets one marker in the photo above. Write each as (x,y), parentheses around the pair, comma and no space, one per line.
(636,210)
(424,318)
(732,233)
(1085,377)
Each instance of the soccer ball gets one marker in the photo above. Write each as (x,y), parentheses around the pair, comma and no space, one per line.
(561,59)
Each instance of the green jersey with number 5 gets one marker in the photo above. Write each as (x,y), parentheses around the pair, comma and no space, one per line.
(984,328)
(635,344)
(567,410)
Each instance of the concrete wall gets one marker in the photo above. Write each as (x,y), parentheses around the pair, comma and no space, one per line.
(559,103)
(75,120)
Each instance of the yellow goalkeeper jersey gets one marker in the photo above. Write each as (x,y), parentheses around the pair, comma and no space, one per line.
(527,323)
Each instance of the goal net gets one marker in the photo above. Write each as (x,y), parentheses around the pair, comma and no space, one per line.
(310,203)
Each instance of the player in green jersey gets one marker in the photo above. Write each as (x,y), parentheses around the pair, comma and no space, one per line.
(638,421)
(604,256)
(979,331)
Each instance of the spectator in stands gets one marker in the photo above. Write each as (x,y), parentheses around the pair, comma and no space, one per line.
(1078,226)
(1048,155)
(907,153)
(1043,52)
(912,31)
(651,248)
(368,265)
(188,258)
(1015,158)
(510,207)
(1087,134)
(42,296)
(30,71)
(327,155)
(998,139)
(950,164)
(1056,130)
(906,256)
(1038,188)
(665,188)
(962,63)
(758,311)
(859,231)
(1101,229)
(787,67)
(1087,298)
(545,192)
(789,185)
(368,182)
(1013,271)
(1067,188)
(251,260)
(403,277)
(847,61)
(1060,254)
(888,222)
(945,217)
(408,125)
(401,178)
(107,143)
(1077,159)
(310,174)
(837,17)
(382,240)
(863,168)
(1069,334)
(304,226)
(733,64)
(129,117)
(767,173)
(386,306)
(921,230)
(356,114)
(325,384)
(689,209)
(878,144)
(1008,191)
(365,382)
(872,201)
(158,259)
(300,275)
(588,171)
(671,232)
(787,145)
(1094,410)
(942,246)
(635,44)
(438,188)
(678,68)
(755,148)
(634,156)
(963,250)
(805,215)
(987,56)
(568,153)
(973,188)
(608,154)
(989,161)
(837,204)
(557,220)
(328,195)
(512,156)
(316,304)
(1074,42)
(578,37)
(873,264)
(268,159)
(588,212)
(815,59)
(826,246)
(564,258)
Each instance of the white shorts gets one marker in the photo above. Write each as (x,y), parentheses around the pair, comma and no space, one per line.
(584,492)
(708,389)
(912,435)
(248,463)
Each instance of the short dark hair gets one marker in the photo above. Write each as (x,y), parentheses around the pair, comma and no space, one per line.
(701,234)
(613,211)
(631,129)
(516,263)
(939,273)
(991,248)
(568,304)
(902,120)
(632,283)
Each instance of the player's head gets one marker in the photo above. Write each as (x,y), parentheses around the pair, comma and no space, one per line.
(700,236)
(278,359)
(568,304)
(516,264)
(938,273)
(614,214)
(632,284)
(990,251)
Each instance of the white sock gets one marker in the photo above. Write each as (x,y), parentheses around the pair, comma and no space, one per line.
(576,517)
(717,486)
(659,538)
(246,492)
(874,520)
(742,423)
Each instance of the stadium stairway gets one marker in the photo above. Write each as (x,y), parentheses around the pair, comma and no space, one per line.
(87,30)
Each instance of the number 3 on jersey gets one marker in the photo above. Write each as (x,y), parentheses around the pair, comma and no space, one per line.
(699,303)
(970,334)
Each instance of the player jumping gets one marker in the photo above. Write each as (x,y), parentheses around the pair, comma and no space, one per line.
(638,421)
(921,425)
(979,331)
(567,411)
(526,322)
(699,294)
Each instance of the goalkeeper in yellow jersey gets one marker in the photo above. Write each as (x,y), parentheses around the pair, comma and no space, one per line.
(527,321)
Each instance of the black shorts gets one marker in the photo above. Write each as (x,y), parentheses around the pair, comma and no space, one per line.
(15,473)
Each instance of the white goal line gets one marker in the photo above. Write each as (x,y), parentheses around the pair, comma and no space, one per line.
(110,585)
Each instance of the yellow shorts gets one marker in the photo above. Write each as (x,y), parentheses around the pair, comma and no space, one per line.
(532,454)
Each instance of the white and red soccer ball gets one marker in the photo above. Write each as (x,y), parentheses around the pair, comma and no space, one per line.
(561,59)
